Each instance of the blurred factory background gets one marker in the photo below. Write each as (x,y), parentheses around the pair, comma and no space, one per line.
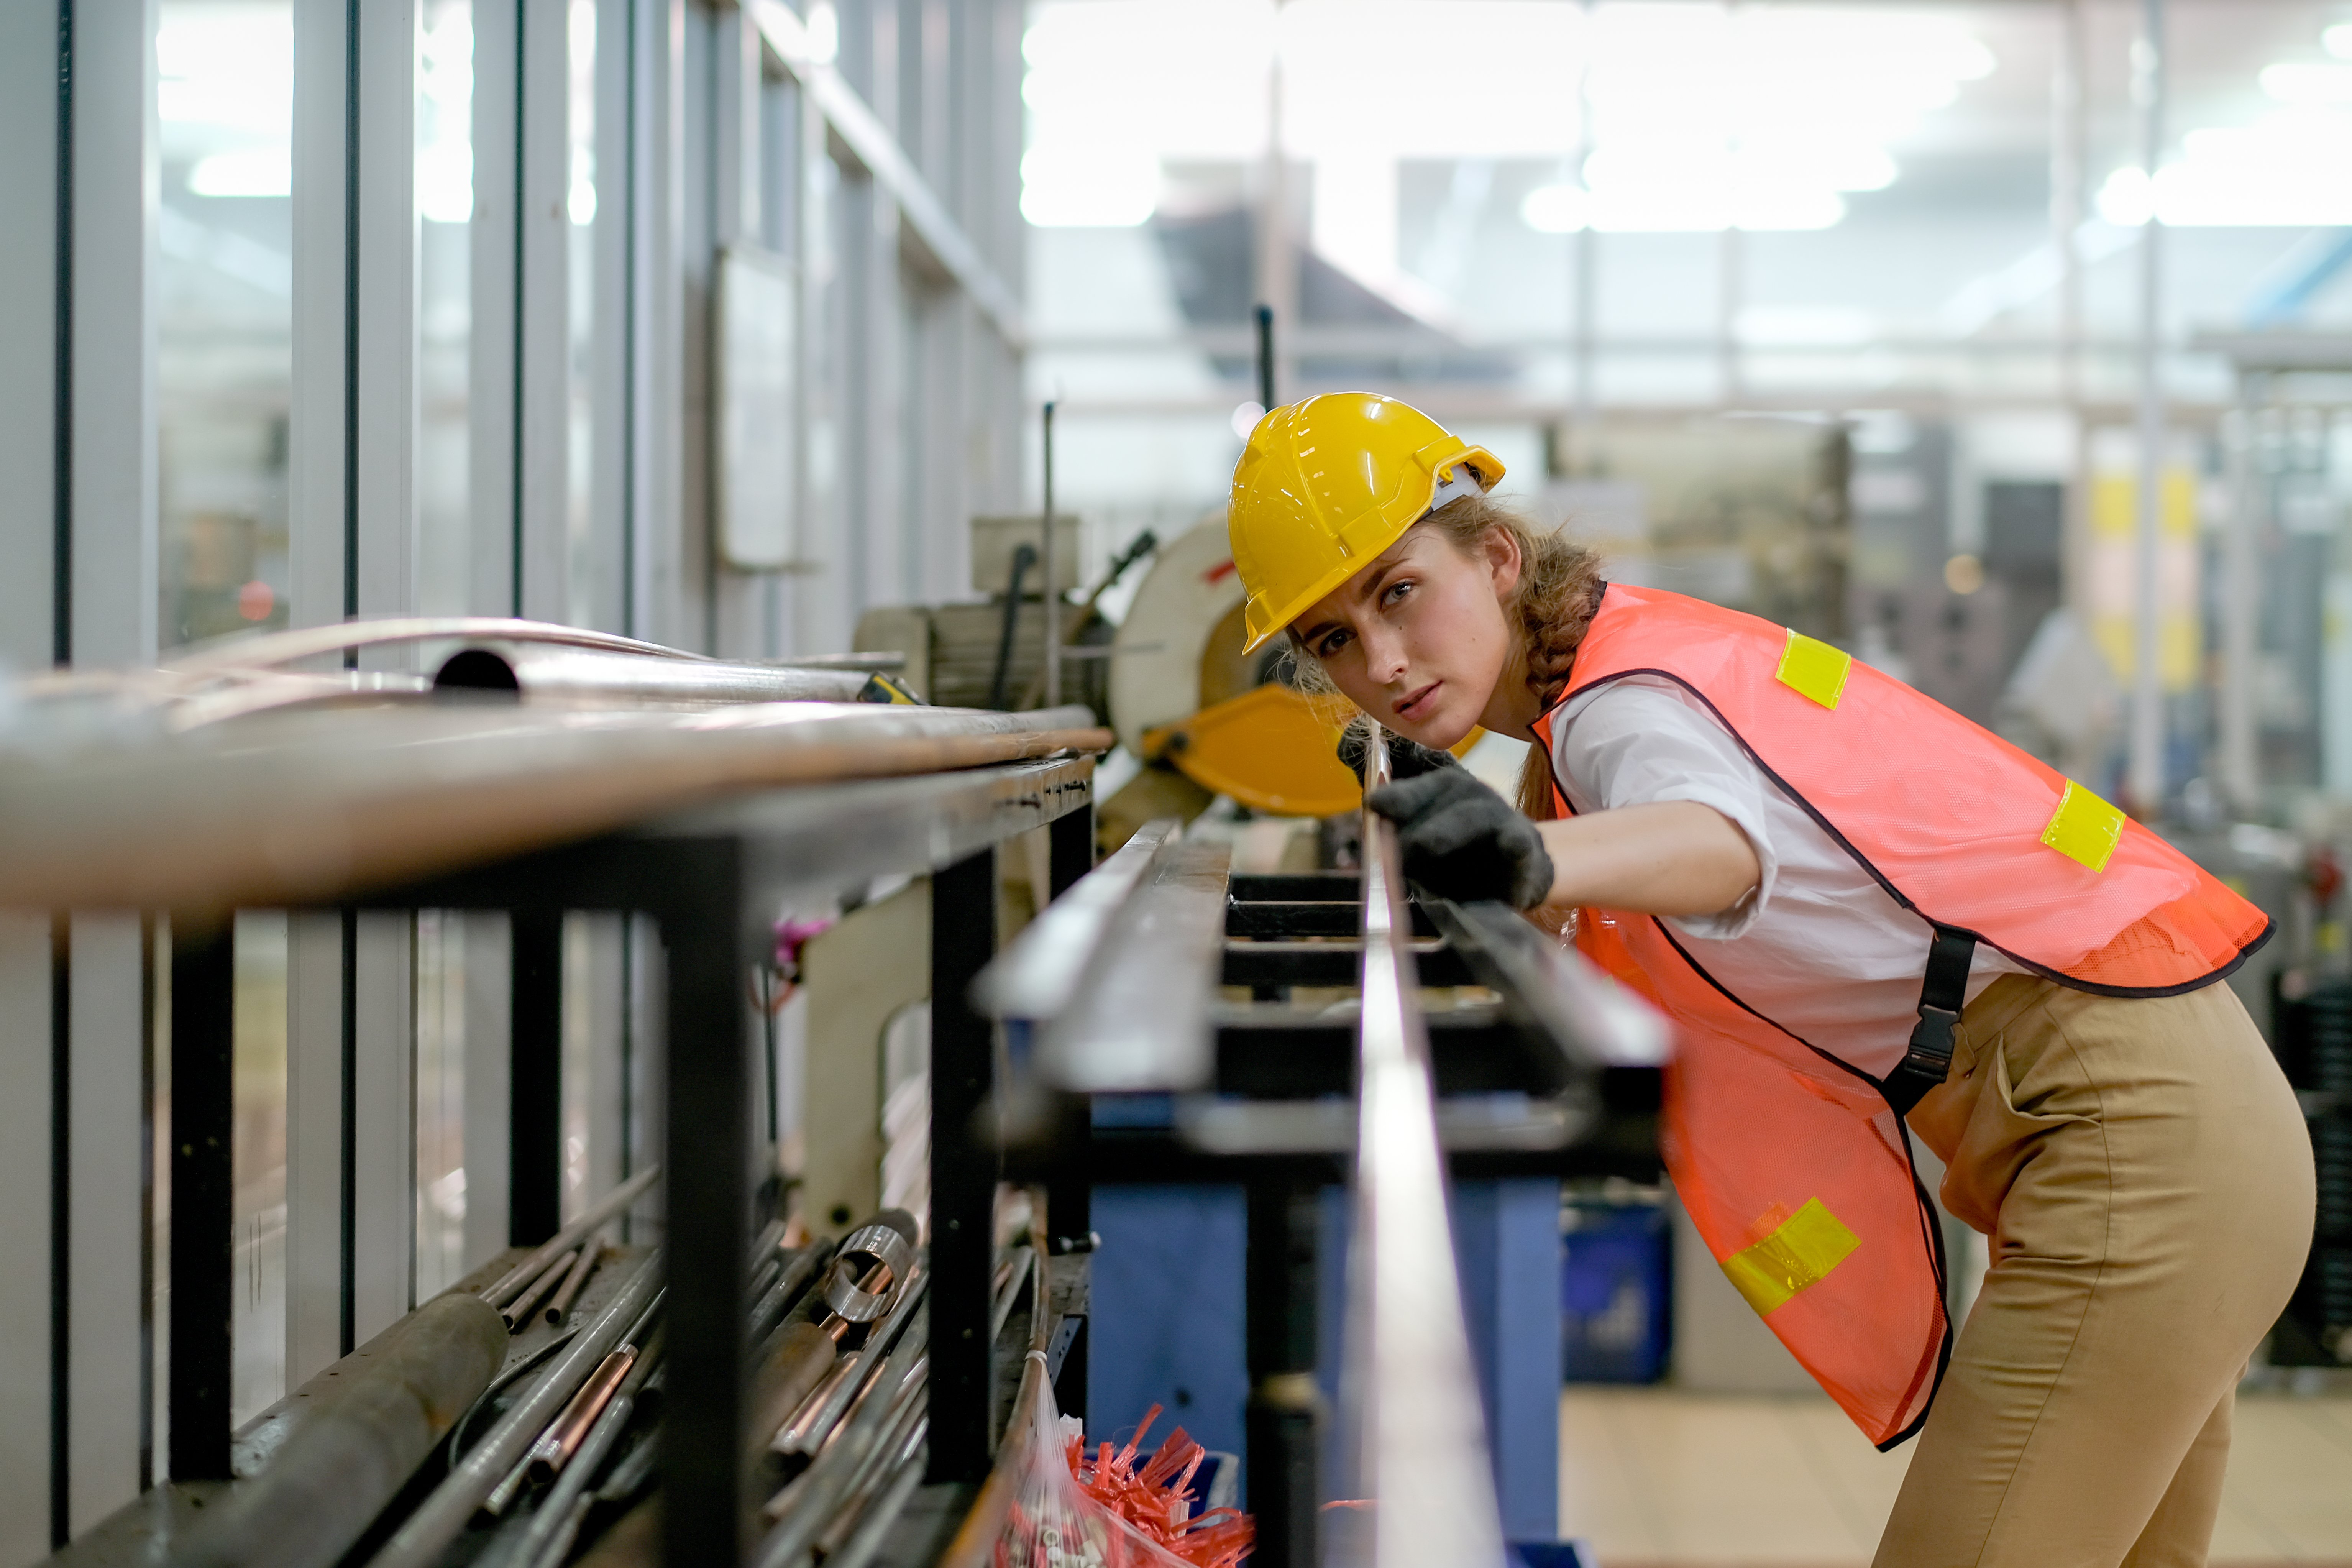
(2007,345)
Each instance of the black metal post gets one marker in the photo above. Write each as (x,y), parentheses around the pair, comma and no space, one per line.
(1266,356)
(963,1170)
(707,1218)
(204,991)
(1070,1195)
(535,1079)
(1280,1423)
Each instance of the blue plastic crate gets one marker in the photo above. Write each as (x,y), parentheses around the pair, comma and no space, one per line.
(1616,1306)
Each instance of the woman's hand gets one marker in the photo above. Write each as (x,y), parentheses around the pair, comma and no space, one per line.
(1668,857)
(1462,841)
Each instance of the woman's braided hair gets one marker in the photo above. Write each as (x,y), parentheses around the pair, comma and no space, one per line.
(1559,590)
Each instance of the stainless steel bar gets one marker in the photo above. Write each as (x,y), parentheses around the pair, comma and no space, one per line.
(426,1533)
(519,1311)
(1118,974)
(1409,1392)
(1039,973)
(593,1218)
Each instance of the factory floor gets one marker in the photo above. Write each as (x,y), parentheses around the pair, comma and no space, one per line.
(1659,1478)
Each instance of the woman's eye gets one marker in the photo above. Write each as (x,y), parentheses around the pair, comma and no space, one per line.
(1331,645)
(1396,591)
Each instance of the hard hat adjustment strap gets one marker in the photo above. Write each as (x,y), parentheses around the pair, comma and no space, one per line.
(1461,480)
(1941,996)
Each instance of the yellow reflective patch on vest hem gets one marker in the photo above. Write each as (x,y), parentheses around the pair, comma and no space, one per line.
(2084,828)
(1814,669)
(1811,1243)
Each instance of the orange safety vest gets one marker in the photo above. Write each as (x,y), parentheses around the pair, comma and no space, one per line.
(1793,1165)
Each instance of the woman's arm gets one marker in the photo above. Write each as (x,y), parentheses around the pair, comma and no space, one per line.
(1667,858)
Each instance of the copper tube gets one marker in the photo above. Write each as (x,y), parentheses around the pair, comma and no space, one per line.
(554,1449)
(561,1303)
(519,1311)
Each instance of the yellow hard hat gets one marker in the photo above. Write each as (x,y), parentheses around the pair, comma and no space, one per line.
(1327,483)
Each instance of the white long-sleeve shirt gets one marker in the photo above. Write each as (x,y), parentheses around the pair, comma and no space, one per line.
(1817,947)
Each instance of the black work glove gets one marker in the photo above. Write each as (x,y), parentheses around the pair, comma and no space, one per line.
(1462,841)
(1407,759)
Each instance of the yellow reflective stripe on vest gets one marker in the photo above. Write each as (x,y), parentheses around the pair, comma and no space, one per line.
(1815,668)
(2084,828)
(1801,1253)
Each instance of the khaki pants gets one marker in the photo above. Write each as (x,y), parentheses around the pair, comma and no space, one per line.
(2145,1178)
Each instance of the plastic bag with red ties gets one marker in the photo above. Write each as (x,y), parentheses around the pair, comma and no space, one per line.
(1073,1509)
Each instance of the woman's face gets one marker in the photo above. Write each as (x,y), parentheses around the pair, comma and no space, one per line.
(1420,638)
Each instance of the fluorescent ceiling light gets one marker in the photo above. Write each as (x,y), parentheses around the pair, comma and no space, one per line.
(2337,40)
(245,172)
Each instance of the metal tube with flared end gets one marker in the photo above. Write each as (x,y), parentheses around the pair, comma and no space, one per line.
(426,1533)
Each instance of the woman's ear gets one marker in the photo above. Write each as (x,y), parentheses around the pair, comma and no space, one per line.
(1504,564)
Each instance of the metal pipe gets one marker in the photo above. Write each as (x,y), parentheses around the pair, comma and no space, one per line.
(1408,1385)
(560,1441)
(860,1548)
(426,1533)
(780,1297)
(248,651)
(583,678)
(2148,727)
(572,1234)
(548,1539)
(519,1311)
(559,1304)
(862,1367)
(316,808)
(374,1418)
(820,1487)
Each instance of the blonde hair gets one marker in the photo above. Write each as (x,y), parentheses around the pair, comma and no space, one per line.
(1558,592)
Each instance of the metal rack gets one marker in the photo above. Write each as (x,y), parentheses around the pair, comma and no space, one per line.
(489,808)
(1114,996)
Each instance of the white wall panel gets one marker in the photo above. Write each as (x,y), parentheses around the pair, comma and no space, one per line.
(25,1052)
(106,1364)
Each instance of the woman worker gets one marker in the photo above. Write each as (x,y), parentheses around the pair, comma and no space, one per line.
(1859,909)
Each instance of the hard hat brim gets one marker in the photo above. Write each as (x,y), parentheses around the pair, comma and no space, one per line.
(1490,470)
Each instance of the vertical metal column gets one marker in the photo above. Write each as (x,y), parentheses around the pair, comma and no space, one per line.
(535,1081)
(1069,1198)
(707,1219)
(1281,1421)
(204,984)
(963,1170)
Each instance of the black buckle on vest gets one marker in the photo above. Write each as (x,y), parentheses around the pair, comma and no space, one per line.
(1942,993)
